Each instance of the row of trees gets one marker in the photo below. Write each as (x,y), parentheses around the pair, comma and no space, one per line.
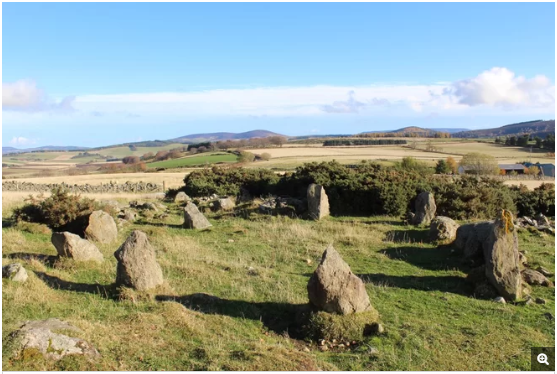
(350,142)
(524,140)
(406,134)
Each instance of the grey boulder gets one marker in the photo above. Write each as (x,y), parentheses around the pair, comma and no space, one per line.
(137,264)
(194,219)
(73,246)
(334,288)
(101,227)
(15,272)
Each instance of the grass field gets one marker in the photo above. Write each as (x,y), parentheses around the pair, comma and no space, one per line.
(431,321)
(120,152)
(197,160)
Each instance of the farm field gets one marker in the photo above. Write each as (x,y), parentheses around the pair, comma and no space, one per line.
(246,318)
(196,160)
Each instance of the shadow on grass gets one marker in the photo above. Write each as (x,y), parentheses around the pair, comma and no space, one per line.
(411,235)
(440,258)
(452,284)
(45,259)
(105,291)
(282,318)
(158,224)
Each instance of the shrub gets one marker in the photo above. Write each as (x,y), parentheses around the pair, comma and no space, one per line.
(265,156)
(56,211)
(60,211)
(131,160)
(228,181)
(540,200)
(442,167)
(246,157)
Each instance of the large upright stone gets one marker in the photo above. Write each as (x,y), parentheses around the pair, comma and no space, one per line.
(194,219)
(472,239)
(137,264)
(45,336)
(443,229)
(318,202)
(73,246)
(425,209)
(101,227)
(334,288)
(501,257)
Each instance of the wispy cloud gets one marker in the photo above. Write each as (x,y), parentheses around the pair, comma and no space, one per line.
(20,140)
(490,92)
(24,95)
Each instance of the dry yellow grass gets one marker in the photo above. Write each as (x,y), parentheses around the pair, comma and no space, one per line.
(172,180)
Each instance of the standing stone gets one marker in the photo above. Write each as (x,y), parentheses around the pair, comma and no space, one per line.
(137,264)
(16,272)
(194,219)
(224,204)
(318,202)
(425,209)
(501,257)
(101,227)
(334,288)
(44,337)
(472,238)
(181,197)
(72,246)
(443,229)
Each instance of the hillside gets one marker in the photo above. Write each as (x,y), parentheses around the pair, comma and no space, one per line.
(215,136)
(537,128)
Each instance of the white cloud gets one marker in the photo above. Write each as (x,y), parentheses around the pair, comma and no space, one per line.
(24,95)
(501,87)
(19,140)
(490,93)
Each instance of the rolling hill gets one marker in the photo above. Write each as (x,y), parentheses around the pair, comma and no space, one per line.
(215,136)
(536,128)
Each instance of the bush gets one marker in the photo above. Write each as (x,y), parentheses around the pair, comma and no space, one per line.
(265,156)
(56,211)
(128,160)
(369,189)
(60,211)
(540,200)
(229,181)
(246,157)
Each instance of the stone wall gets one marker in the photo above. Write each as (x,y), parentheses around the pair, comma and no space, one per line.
(84,188)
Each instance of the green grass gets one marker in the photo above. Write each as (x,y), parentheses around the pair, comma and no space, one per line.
(202,159)
(419,290)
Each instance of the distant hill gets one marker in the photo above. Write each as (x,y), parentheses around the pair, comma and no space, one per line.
(449,130)
(215,136)
(536,128)
(406,130)
(50,148)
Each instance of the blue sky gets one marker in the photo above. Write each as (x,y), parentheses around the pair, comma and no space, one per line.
(98,74)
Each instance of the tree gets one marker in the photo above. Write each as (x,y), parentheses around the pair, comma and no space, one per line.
(131,160)
(246,156)
(479,164)
(453,166)
(148,156)
(442,167)
(532,170)
(523,140)
(277,140)
(538,141)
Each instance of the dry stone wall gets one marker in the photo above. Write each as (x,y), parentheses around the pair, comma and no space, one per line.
(112,187)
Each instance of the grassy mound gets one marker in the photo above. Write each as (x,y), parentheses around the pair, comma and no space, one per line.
(328,326)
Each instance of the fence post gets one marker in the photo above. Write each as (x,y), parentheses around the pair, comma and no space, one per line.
(163,186)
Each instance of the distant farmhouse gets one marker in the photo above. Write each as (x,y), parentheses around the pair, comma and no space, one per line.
(546,170)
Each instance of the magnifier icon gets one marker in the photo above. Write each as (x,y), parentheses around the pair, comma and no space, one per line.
(542,359)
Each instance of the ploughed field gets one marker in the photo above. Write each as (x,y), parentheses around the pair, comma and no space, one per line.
(258,267)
